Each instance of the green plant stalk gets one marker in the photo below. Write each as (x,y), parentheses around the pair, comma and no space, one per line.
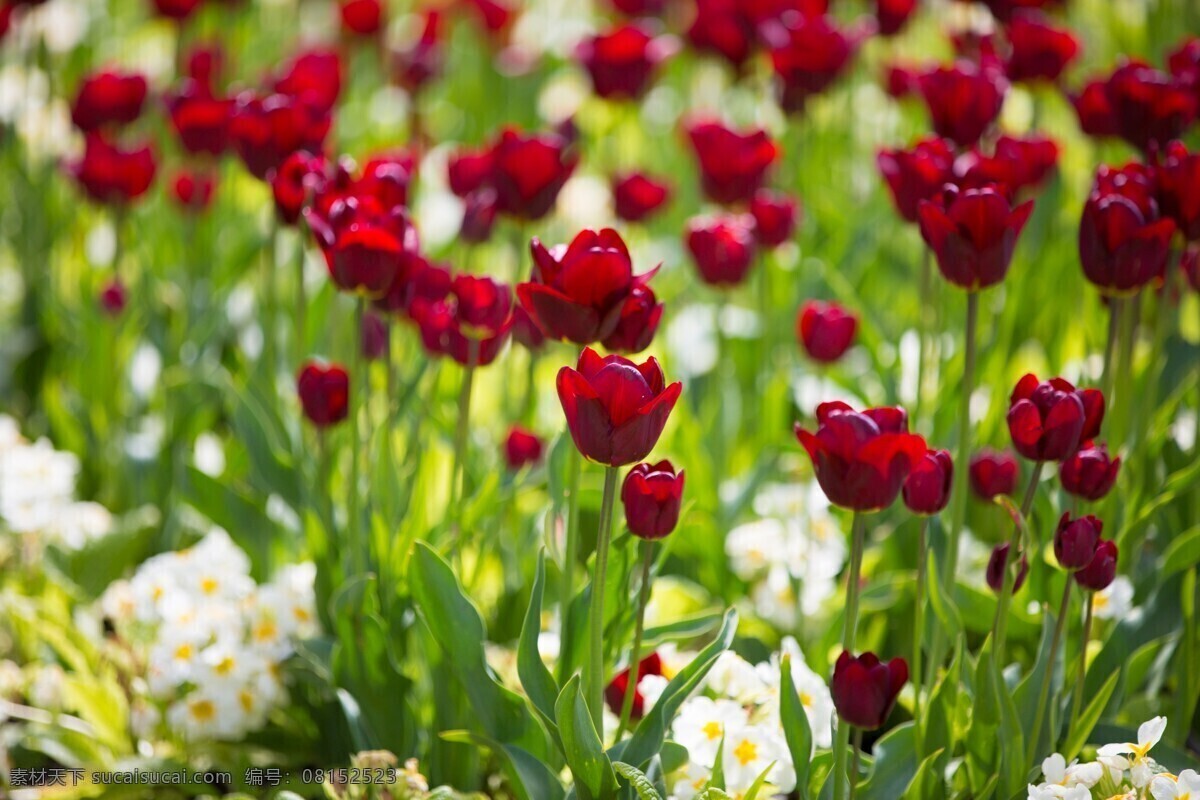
(358,397)
(854,756)
(1125,347)
(1064,608)
(919,630)
(570,557)
(1012,558)
(1077,701)
(1110,347)
(635,655)
(841,741)
(269,298)
(461,431)
(768,344)
(300,337)
(850,627)
(595,673)
(923,349)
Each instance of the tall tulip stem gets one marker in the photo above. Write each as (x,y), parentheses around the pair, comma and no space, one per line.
(919,624)
(958,494)
(1110,346)
(301,321)
(570,556)
(850,628)
(1012,558)
(461,431)
(840,743)
(635,655)
(358,396)
(1064,608)
(856,750)
(1081,673)
(926,321)
(595,674)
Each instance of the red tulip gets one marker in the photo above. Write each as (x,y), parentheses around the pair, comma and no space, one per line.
(893,15)
(775,217)
(722,28)
(1048,419)
(528,170)
(638,322)
(722,246)
(200,119)
(1040,51)
(979,47)
(1003,10)
(639,8)
(1178,182)
(387,176)
(732,165)
(479,216)
(204,65)
(324,393)
(193,191)
(314,76)
(1123,245)
(826,330)
(636,196)
(998,562)
(973,235)
(621,61)
(811,55)
(927,488)
(861,458)
(362,17)
(614,693)
(1090,473)
(468,171)
(525,331)
(1150,107)
(1101,570)
(1094,109)
(916,174)
(993,473)
(652,495)
(416,281)
(373,337)
(110,174)
(365,243)
(470,323)
(1030,159)
(901,80)
(295,182)
(963,100)
(113,297)
(865,689)
(615,409)
(176,9)
(108,98)
(1075,541)
(578,291)
(422,61)
(522,448)
(265,131)
(1190,264)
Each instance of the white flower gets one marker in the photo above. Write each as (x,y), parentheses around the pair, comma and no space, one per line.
(1052,791)
(196,716)
(736,678)
(702,722)
(814,694)
(1185,787)
(1057,771)
(749,751)
(651,687)
(691,780)
(754,546)
(1116,755)
(1115,601)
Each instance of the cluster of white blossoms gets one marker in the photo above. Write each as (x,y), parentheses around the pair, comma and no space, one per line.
(1121,771)
(37,492)
(796,549)
(736,715)
(211,640)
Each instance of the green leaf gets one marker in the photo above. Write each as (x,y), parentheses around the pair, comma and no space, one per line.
(1181,554)
(529,776)
(647,739)
(581,744)
(248,524)
(638,780)
(943,607)
(1082,728)
(756,787)
(895,764)
(925,784)
(680,630)
(795,726)
(941,710)
(536,679)
(716,780)
(1030,688)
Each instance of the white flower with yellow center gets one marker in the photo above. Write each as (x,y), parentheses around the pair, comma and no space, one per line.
(749,751)
(754,546)
(196,716)
(690,781)
(734,677)
(813,692)
(1058,772)
(1052,791)
(1115,601)
(702,722)
(1184,787)
(1134,756)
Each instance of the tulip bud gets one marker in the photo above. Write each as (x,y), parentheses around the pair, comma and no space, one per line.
(998,562)
(113,297)
(1101,570)
(722,247)
(1047,420)
(636,196)
(614,693)
(110,174)
(826,330)
(521,448)
(732,165)
(324,393)
(374,337)
(916,174)
(993,473)
(963,100)
(1075,541)
(812,52)
(639,320)
(652,495)
(973,233)
(864,689)
(622,61)
(775,216)
(361,17)
(927,488)
(1090,473)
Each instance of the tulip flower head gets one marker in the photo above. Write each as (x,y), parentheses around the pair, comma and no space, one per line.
(1150,107)
(826,330)
(892,15)
(193,191)
(1178,182)
(361,17)
(637,196)
(1076,540)
(861,458)
(113,297)
(615,409)
(927,488)
(996,566)
(723,28)
(1090,472)
(722,247)
(113,175)
(812,53)
(296,182)
(200,118)
(1123,244)
(652,495)
(365,242)
(373,337)
(917,174)
(963,100)
(1101,570)
(865,689)
(993,473)
(733,165)
(1039,50)
(621,61)
(1094,109)
(775,216)
(421,62)
(522,448)
(324,391)
(108,98)
(614,693)
(313,75)
(470,321)
(639,320)
(1049,419)
(528,171)
(973,234)
(266,130)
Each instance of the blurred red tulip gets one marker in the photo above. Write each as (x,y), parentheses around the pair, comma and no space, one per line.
(421,61)
(364,241)
(652,495)
(294,184)
(176,9)
(362,17)
(204,65)
(113,175)
(826,330)
(865,689)
(1101,570)
(113,297)
(722,28)
(973,234)
(639,8)
(200,119)
(1090,473)
(265,131)
(471,323)
(861,458)
(636,196)
(1190,264)
(901,80)
(1048,419)
(615,409)
(722,246)
(522,448)
(614,693)
(1123,245)
(1003,10)
(916,174)
(775,216)
(324,391)
(1094,109)
(108,98)
(893,15)
(193,190)
(963,100)
(373,337)
(528,170)
(810,57)
(1039,50)
(314,76)
(479,216)
(1150,107)
(1075,541)
(996,566)
(733,165)
(993,473)
(927,488)
(621,61)
(1178,180)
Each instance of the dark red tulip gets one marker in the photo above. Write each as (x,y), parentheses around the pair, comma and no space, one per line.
(1075,541)
(361,17)
(652,495)
(324,391)
(733,165)
(578,291)
(916,174)
(1178,181)
(113,297)
(471,323)
(479,216)
(1004,10)
(812,54)
(6,18)
(1150,107)
(387,176)
(528,170)
(113,175)
(468,171)
(1184,64)
(1190,264)
(865,689)
(176,9)
(205,64)
(636,196)
(200,119)
(997,563)
(1123,245)
(901,80)
(973,234)
(1101,570)
(295,182)
(365,243)
(422,61)
(615,409)
(614,693)
(1049,419)
(638,323)
(108,98)
(525,331)
(775,216)
(993,473)
(373,337)
(721,27)
(1039,50)
(522,448)
(193,191)
(722,246)
(861,458)
(639,8)
(977,46)
(314,76)
(963,100)
(826,330)
(893,15)
(1031,159)
(927,488)
(1090,473)
(417,281)
(621,61)
(265,131)
(1094,109)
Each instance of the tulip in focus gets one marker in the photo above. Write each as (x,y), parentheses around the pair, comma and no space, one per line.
(652,495)
(927,488)
(1123,244)
(1049,419)
(865,689)
(826,330)
(1101,570)
(1090,473)
(1076,540)
(993,473)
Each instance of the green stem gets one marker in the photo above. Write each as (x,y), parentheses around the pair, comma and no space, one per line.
(1125,346)
(856,749)
(850,627)
(1077,701)
(301,321)
(459,468)
(1036,732)
(269,301)
(635,655)
(595,674)
(1110,347)
(768,345)
(926,319)
(570,557)
(919,629)
(840,743)
(358,398)
(1012,558)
